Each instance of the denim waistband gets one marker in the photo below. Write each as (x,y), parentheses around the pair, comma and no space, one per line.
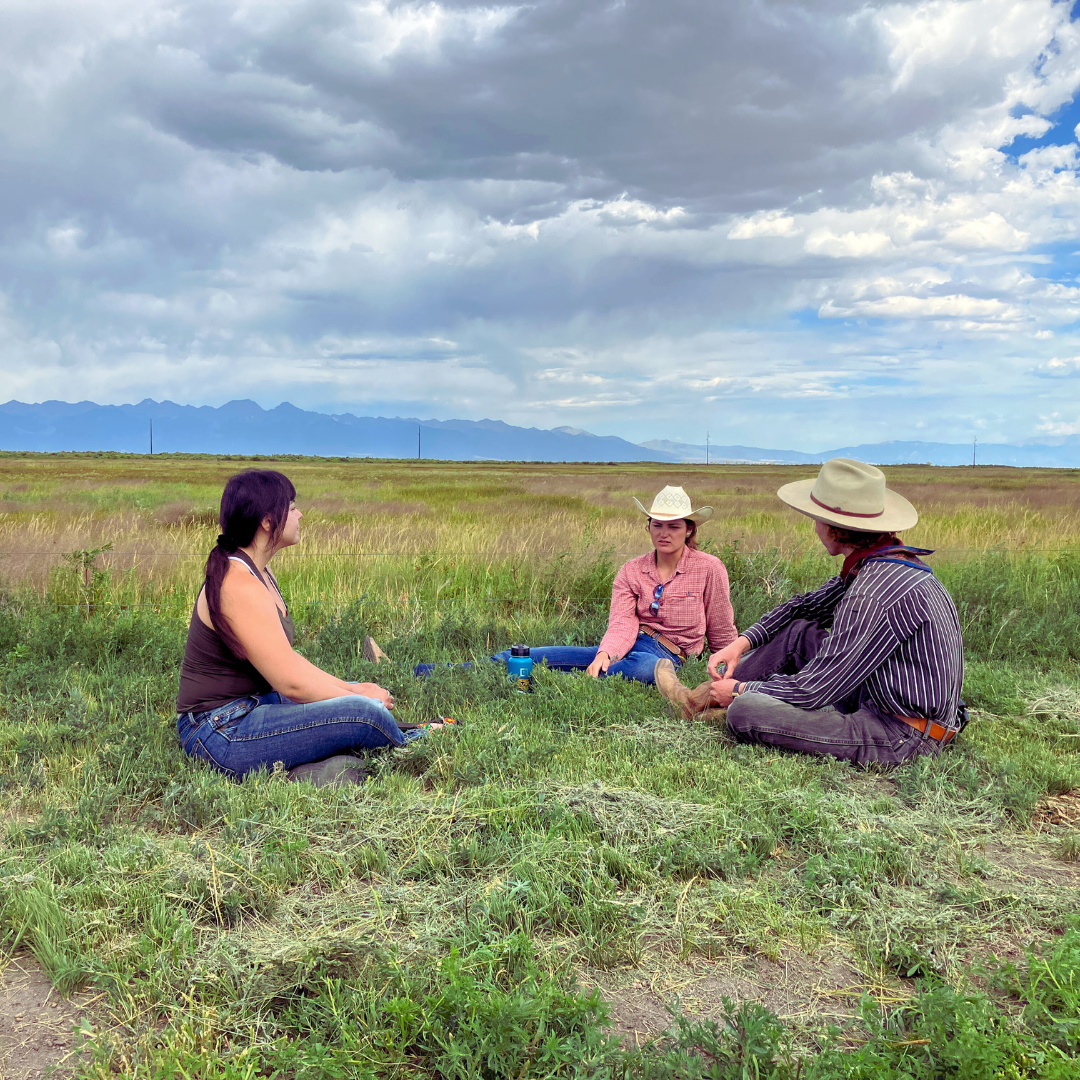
(219,716)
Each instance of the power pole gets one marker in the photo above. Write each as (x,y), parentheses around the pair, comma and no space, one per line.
(706,448)
(973,446)
(417,442)
(151,438)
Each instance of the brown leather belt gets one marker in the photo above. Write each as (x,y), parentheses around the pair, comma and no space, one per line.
(668,644)
(935,730)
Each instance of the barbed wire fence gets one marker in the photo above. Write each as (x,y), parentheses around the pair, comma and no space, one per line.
(409,599)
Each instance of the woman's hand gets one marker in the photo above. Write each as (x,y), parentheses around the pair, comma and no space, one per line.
(729,655)
(599,665)
(373,690)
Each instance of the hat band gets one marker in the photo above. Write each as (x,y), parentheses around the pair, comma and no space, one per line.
(837,510)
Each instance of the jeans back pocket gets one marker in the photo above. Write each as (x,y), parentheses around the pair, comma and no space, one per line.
(227,715)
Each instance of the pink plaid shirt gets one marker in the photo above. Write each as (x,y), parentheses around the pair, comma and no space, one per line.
(695,605)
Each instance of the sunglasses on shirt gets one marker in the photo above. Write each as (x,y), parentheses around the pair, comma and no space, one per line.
(654,607)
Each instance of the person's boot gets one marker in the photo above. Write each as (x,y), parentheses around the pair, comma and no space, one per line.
(712,716)
(372,651)
(336,771)
(667,682)
(697,700)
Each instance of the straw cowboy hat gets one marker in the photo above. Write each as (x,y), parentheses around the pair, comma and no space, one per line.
(673,504)
(851,495)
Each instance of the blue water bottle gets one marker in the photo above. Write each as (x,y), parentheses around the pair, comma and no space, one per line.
(519,665)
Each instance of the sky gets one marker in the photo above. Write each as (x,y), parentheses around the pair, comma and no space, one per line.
(792,225)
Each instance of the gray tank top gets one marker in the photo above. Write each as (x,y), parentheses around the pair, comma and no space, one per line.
(212,674)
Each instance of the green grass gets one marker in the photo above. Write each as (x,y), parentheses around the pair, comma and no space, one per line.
(455,916)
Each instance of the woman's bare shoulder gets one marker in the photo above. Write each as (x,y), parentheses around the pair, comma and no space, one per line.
(240,586)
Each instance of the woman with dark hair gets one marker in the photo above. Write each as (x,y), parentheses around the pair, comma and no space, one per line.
(665,606)
(247,700)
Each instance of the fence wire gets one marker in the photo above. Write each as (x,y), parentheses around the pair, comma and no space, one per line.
(448,554)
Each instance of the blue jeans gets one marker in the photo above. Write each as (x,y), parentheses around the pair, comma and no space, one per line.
(638,664)
(255,732)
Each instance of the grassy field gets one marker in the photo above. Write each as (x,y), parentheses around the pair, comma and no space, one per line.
(573,883)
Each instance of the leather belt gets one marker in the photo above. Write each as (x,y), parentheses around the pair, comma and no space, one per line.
(936,731)
(668,644)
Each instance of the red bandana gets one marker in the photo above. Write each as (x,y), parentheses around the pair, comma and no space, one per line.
(851,563)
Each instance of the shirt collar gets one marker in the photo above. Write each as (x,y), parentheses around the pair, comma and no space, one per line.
(889,546)
(681,568)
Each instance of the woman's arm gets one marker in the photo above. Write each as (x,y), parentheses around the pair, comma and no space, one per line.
(622,628)
(253,616)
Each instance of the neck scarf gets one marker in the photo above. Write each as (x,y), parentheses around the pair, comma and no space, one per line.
(855,559)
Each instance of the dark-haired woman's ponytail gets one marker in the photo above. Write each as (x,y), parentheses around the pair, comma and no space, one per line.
(249,498)
(217,566)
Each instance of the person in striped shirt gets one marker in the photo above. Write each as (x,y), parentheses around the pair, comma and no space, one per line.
(869,666)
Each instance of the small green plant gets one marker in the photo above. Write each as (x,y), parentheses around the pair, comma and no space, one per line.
(1068,847)
(91,580)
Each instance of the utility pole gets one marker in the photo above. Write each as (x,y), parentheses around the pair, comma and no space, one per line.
(417,442)
(973,446)
(706,448)
(151,438)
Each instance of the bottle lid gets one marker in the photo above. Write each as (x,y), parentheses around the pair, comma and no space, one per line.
(519,650)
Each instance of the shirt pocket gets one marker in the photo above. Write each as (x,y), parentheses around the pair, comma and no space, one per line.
(682,609)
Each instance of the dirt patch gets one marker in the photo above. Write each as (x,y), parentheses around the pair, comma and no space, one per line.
(1058,810)
(1030,863)
(373,507)
(185,515)
(798,988)
(36,1024)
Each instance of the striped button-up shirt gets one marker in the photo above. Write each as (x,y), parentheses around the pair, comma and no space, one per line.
(694,605)
(895,639)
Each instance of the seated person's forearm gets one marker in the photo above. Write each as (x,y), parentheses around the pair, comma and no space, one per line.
(303,682)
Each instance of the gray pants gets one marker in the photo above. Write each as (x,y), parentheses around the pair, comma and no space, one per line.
(848,730)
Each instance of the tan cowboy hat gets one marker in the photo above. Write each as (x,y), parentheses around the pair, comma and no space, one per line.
(851,495)
(673,504)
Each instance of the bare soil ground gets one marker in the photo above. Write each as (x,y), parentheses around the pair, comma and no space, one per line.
(37,1036)
(822,988)
(1059,810)
(797,987)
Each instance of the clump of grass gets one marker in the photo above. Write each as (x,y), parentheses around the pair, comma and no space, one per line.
(1068,847)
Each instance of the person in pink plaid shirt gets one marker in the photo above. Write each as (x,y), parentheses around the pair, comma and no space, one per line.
(665,606)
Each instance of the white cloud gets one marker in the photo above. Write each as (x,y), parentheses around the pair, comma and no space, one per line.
(1055,425)
(1063,368)
(924,307)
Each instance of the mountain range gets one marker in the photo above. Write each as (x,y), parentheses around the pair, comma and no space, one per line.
(243,427)
(1058,453)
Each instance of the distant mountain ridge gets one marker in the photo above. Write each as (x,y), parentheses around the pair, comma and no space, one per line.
(244,427)
(1060,453)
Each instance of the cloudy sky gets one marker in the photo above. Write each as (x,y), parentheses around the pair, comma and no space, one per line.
(793,224)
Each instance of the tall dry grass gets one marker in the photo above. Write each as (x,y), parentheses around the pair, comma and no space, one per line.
(369,524)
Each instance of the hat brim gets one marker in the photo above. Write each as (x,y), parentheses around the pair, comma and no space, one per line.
(702,513)
(897,516)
